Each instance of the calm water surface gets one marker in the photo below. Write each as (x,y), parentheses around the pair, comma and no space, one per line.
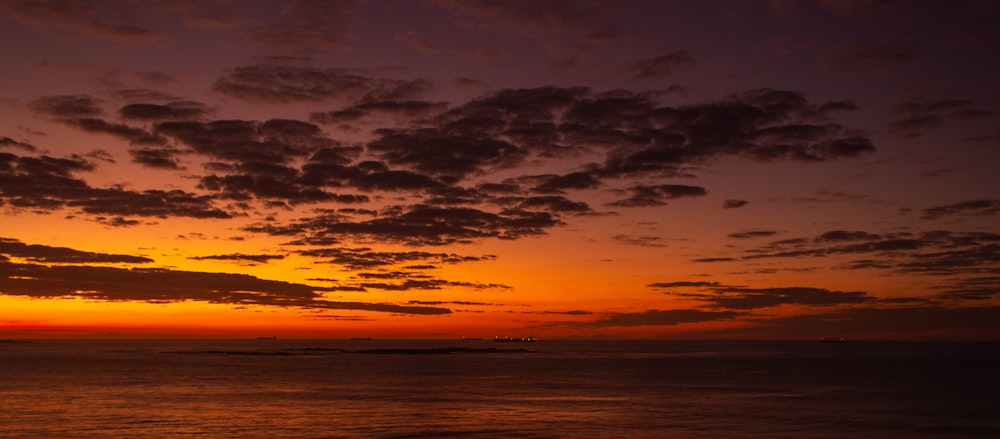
(661,389)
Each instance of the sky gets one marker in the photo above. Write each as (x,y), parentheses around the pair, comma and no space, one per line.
(445,169)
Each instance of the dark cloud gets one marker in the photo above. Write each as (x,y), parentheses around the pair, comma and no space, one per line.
(117,221)
(437,154)
(416,41)
(153,202)
(733,204)
(653,317)
(67,106)
(132,134)
(363,258)
(558,22)
(79,18)
(275,83)
(971,289)
(553,203)
(427,284)
(124,33)
(932,253)
(643,196)
(561,183)
(684,284)
(62,255)
(283,162)
(11,143)
(240,257)
(364,111)
(50,183)
(869,56)
(753,298)
(753,234)
(160,158)
(844,235)
(163,285)
(420,225)
(972,207)
(640,240)
(919,117)
(711,260)
(178,110)
(663,66)
(308,24)
(273,141)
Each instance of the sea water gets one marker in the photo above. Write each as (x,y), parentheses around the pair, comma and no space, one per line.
(471,388)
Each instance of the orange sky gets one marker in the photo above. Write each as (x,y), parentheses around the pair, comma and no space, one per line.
(447,169)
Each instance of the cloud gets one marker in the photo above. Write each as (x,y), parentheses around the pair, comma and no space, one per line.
(364,258)
(438,154)
(558,22)
(49,183)
(123,33)
(397,110)
(280,84)
(420,225)
(733,203)
(178,110)
(11,143)
(159,158)
(919,117)
(427,284)
(654,317)
(240,257)
(643,196)
(416,41)
(163,285)
(844,235)
(62,255)
(867,56)
(640,240)
(753,234)
(982,207)
(743,298)
(663,66)
(81,18)
(439,157)
(67,106)
(308,24)
(935,253)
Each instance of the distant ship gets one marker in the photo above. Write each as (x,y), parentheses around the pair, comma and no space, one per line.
(528,339)
(361,338)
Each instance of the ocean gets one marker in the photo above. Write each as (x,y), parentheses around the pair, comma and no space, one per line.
(477,388)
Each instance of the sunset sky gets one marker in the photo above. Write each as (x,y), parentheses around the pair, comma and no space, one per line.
(439,169)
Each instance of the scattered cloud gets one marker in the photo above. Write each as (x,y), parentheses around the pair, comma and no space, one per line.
(718,296)
(643,196)
(307,24)
(656,317)
(46,254)
(734,203)
(972,207)
(749,234)
(868,56)
(663,66)
(63,277)
(239,257)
